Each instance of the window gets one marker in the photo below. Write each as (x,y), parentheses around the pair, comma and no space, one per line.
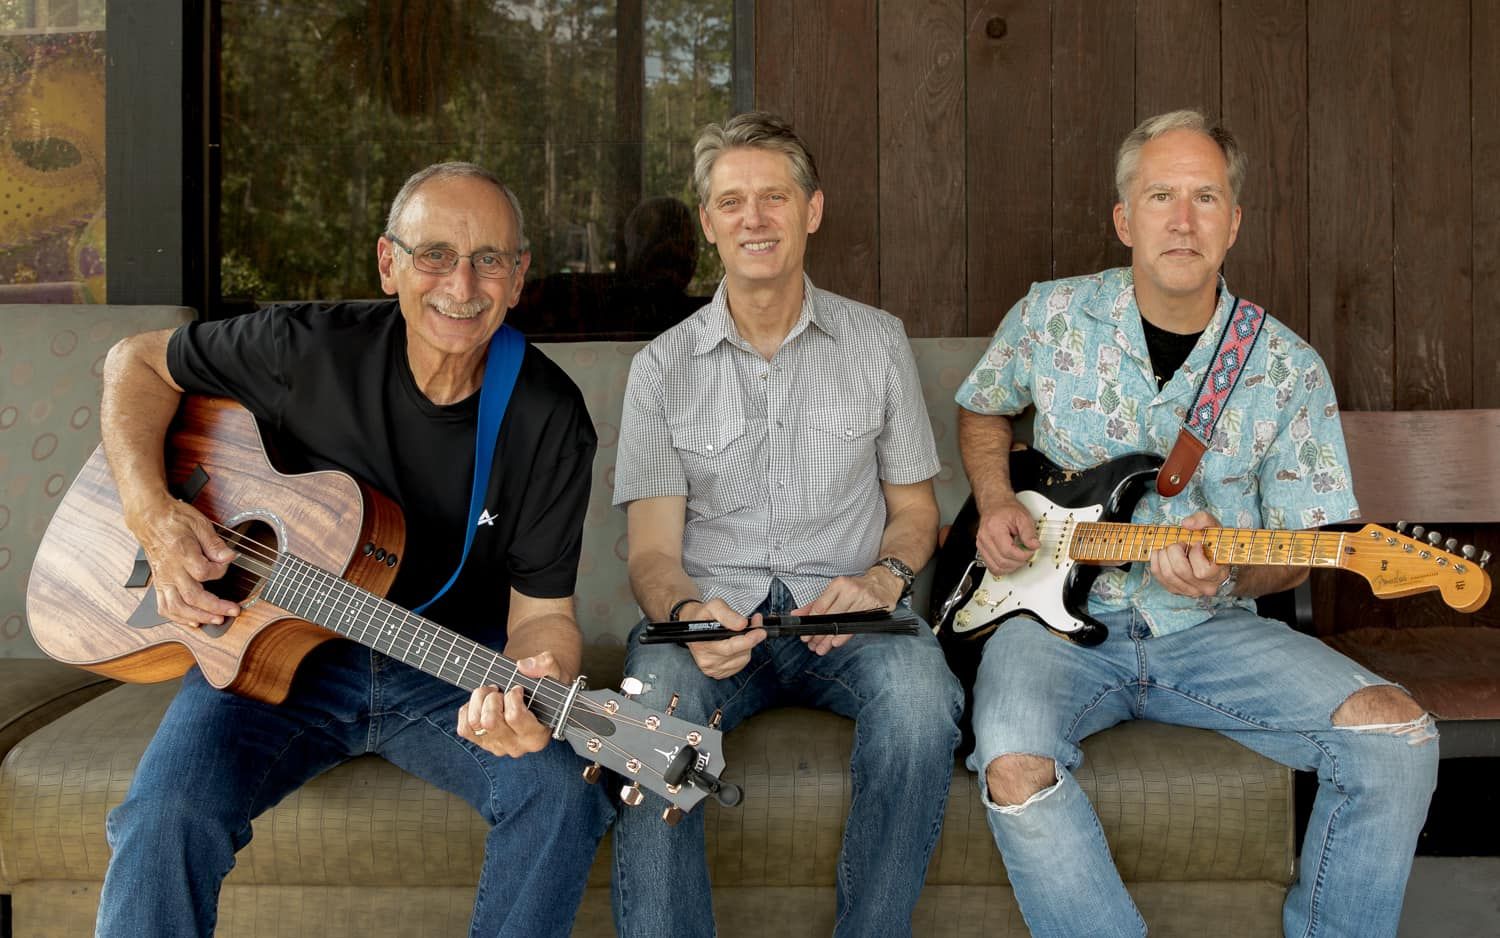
(52,151)
(328,105)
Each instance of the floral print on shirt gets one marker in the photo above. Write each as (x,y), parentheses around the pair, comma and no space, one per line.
(1075,349)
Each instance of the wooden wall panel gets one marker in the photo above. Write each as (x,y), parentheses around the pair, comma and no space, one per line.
(829,49)
(1350,216)
(1009,142)
(1485,56)
(775,55)
(922,179)
(1176,57)
(1093,108)
(1433,205)
(1265,103)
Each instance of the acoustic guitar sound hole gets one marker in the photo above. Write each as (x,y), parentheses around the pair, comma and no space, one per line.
(254,543)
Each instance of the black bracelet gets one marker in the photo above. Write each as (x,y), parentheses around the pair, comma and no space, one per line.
(677,608)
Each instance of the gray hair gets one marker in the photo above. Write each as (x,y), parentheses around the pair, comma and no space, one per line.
(1129,159)
(760,130)
(455,170)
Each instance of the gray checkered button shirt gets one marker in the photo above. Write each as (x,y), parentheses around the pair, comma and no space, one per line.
(781,461)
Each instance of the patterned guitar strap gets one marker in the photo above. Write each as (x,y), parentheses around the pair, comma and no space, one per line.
(1223,376)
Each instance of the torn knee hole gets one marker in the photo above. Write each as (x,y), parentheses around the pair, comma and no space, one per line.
(1383,705)
(1013,779)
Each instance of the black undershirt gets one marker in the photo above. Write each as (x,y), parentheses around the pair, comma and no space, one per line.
(1168,350)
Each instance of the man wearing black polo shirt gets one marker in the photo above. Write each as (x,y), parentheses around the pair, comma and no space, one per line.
(390,393)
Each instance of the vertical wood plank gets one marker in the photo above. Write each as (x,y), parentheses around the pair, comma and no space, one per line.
(1433,205)
(1485,80)
(1009,142)
(1093,103)
(922,173)
(835,111)
(1265,104)
(775,60)
(1176,57)
(1350,317)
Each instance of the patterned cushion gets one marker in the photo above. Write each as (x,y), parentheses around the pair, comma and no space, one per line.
(51,370)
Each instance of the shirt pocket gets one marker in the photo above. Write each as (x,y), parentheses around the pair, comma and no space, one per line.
(839,451)
(718,467)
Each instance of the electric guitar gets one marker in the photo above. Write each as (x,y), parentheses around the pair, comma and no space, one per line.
(90,603)
(1083,523)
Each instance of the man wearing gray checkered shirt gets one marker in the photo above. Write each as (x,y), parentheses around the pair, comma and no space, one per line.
(775,456)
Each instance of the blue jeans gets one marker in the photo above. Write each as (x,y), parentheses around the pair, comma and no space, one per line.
(219,760)
(905,704)
(1256,681)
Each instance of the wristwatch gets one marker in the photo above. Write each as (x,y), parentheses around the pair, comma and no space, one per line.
(1226,588)
(901,570)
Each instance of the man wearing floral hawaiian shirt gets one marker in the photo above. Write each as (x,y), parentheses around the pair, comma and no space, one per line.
(1111,362)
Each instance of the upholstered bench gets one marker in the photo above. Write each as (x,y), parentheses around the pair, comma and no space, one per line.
(1201,827)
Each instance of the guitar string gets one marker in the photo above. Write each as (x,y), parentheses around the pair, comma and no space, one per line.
(1116,536)
(583,703)
(256,551)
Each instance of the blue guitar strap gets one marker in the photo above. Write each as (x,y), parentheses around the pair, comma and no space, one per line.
(507,348)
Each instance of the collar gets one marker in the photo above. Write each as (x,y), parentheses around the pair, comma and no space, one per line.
(717,324)
(1117,289)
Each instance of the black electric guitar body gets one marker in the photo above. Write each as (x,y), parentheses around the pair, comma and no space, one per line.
(1054,588)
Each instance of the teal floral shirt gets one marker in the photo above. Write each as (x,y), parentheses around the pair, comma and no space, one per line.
(1075,349)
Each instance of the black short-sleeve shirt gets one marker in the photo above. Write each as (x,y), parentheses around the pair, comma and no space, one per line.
(333,386)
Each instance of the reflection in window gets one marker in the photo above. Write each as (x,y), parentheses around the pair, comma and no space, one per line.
(52,151)
(329,105)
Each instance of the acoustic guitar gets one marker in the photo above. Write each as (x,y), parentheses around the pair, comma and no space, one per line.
(314,554)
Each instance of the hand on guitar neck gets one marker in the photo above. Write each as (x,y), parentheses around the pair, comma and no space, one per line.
(499,722)
(1189,569)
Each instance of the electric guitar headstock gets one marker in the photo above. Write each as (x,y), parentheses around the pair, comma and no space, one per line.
(1400,563)
(678,760)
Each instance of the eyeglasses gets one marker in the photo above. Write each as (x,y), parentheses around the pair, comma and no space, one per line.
(491,265)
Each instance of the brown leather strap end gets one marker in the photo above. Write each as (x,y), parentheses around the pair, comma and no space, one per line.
(1180,464)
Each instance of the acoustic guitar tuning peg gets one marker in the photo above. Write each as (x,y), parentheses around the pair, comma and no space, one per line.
(591,773)
(1451,545)
(632,795)
(1484,560)
(1434,538)
(1469,551)
(671,705)
(1401,526)
(631,686)
(713,721)
(1417,531)
(672,815)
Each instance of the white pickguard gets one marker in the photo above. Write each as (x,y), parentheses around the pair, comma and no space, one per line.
(1038,586)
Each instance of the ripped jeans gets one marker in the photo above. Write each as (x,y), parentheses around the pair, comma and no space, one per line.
(1256,681)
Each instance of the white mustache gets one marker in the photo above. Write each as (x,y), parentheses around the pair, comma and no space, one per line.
(455,309)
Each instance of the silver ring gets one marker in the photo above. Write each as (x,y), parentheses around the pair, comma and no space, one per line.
(480,731)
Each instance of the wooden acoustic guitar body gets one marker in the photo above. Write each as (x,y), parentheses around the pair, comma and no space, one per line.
(86,605)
